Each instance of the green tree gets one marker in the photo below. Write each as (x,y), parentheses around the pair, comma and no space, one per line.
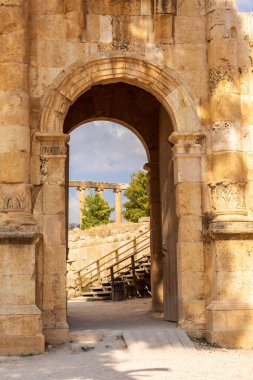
(96,211)
(137,205)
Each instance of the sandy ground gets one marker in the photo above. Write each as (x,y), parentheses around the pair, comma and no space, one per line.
(105,356)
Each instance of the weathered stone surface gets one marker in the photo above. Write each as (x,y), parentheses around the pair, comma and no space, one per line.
(65,62)
(187,197)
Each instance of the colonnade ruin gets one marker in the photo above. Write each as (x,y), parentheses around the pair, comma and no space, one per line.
(99,187)
(178,74)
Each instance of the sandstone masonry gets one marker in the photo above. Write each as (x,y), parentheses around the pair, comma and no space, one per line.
(179,75)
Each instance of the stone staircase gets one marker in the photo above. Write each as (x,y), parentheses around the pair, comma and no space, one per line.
(128,276)
(126,284)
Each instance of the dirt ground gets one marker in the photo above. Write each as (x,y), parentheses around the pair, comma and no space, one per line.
(103,355)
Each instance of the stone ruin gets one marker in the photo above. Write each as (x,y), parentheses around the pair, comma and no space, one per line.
(179,75)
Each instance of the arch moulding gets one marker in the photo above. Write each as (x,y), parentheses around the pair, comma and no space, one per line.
(161,81)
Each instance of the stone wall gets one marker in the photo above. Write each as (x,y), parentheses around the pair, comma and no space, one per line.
(177,70)
(88,246)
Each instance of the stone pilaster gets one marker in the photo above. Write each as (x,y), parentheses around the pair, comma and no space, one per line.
(20,317)
(188,153)
(155,237)
(53,177)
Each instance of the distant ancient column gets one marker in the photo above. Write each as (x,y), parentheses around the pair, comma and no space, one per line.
(81,198)
(118,208)
(99,191)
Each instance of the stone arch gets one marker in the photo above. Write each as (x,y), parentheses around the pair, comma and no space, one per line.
(160,81)
(176,179)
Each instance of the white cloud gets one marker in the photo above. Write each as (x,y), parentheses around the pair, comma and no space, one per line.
(102,151)
(104,147)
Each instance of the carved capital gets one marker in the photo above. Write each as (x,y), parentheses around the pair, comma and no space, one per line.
(52,145)
(228,197)
(189,143)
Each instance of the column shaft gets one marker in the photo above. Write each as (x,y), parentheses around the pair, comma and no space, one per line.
(118,208)
(81,198)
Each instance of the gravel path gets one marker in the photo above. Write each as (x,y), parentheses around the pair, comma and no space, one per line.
(106,357)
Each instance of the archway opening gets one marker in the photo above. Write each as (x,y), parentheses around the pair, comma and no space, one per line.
(141,112)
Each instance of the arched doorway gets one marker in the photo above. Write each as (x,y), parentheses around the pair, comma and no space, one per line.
(152,102)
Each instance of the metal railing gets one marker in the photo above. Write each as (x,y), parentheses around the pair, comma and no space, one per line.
(105,268)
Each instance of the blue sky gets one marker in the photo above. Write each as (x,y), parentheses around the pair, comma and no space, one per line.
(103,151)
(245,5)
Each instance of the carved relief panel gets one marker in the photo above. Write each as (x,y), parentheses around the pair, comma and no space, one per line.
(15,198)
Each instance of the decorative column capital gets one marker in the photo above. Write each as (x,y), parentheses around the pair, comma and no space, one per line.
(117,190)
(52,145)
(188,143)
(81,188)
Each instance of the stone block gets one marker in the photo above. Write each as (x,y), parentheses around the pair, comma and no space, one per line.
(229,165)
(105,23)
(20,325)
(190,29)
(146,8)
(226,137)
(237,285)
(51,27)
(56,335)
(13,48)
(247,138)
(74,32)
(47,7)
(17,260)
(223,53)
(55,259)
(54,230)
(163,28)
(195,311)
(13,77)
(191,8)
(187,169)
(10,101)
(188,199)
(226,105)
(190,256)
(22,345)
(248,159)
(197,80)
(17,289)
(54,293)
(14,138)
(115,7)
(18,171)
(190,229)
(229,320)
(247,109)
(186,56)
(73,5)
(231,339)
(234,255)
(92,29)
(192,286)
(49,53)
(53,199)
(249,195)
(41,78)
